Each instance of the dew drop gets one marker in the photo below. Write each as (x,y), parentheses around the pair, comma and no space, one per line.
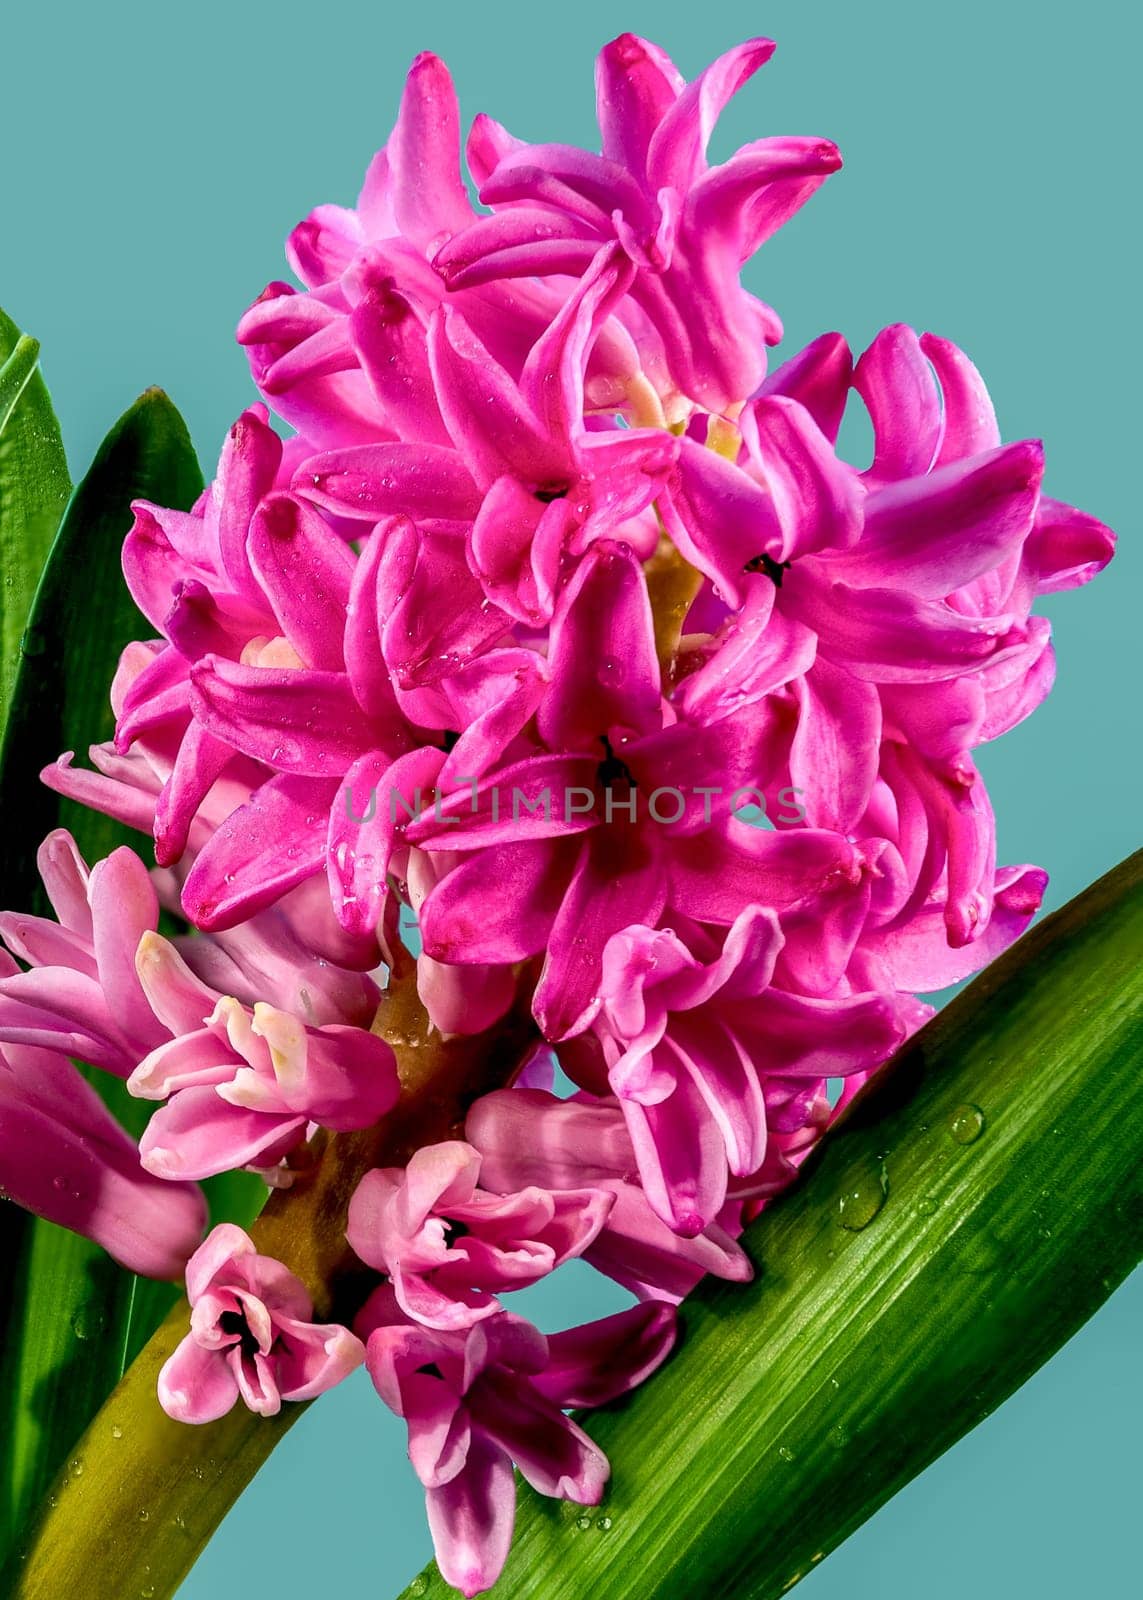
(966,1124)
(583,1523)
(88,1322)
(419,1584)
(785,1452)
(116,1431)
(144,1515)
(863,1199)
(838,1437)
(77,1467)
(928,1207)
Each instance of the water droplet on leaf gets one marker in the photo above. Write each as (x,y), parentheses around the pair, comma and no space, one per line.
(966,1124)
(863,1199)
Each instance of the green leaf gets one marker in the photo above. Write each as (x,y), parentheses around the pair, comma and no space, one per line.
(966,1217)
(996,1169)
(34,488)
(73,1319)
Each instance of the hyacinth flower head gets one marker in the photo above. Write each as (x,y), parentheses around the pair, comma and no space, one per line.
(560,626)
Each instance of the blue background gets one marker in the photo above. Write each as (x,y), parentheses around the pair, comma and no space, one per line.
(155,159)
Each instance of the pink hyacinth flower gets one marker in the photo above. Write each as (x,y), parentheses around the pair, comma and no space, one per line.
(243,1084)
(685,226)
(251,1338)
(528,1136)
(449,1246)
(706,1055)
(476,1401)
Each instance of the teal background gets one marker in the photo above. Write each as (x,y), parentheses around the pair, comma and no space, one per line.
(155,159)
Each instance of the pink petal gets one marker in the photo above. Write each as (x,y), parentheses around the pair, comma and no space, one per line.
(593,1364)
(197,1135)
(471,1518)
(196,1385)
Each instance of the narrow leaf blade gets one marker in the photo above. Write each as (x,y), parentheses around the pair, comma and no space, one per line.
(72,1318)
(34,487)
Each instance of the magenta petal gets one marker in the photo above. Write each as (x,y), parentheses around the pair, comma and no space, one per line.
(295,720)
(890,636)
(391,341)
(714,874)
(552,380)
(261,851)
(201,760)
(933,535)
(305,571)
(681,1156)
(429,199)
(968,422)
(1067,547)
(551,1451)
(64,1157)
(499,905)
(124,909)
(369,481)
(604,623)
(834,756)
(720,518)
(818,378)
(611,888)
(486,414)
(636,84)
(313,1357)
(365,826)
(678,149)
(896,383)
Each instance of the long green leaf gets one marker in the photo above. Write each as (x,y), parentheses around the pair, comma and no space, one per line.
(975,1207)
(73,1319)
(34,488)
